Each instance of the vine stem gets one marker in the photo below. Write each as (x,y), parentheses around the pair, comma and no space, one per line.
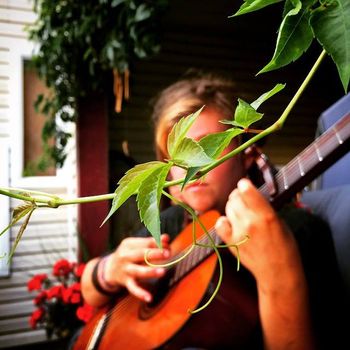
(195,218)
(55,202)
(272,128)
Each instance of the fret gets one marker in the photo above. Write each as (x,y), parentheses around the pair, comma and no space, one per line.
(190,261)
(309,158)
(178,271)
(178,268)
(319,156)
(205,252)
(285,182)
(176,276)
(172,281)
(340,140)
(217,239)
(301,168)
(198,253)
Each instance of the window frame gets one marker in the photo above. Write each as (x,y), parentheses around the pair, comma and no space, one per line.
(18,55)
(5,212)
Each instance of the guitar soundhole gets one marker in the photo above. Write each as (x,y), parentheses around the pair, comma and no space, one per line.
(160,289)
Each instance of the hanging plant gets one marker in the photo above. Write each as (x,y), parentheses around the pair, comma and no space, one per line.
(79,43)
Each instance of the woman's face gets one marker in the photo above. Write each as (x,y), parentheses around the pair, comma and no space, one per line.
(212,191)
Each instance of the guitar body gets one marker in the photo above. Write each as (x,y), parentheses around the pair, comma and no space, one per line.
(226,322)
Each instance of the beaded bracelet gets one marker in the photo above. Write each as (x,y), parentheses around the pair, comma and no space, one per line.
(101,276)
(97,275)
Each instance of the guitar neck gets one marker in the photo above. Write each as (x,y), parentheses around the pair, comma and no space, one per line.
(310,163)
(299,172)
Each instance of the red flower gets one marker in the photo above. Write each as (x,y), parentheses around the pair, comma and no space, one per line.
(55,292)
(72,294)
(62,268)
(85,312)
(36,317)
(40,298)
(58,298)
(79,270)
(36,282)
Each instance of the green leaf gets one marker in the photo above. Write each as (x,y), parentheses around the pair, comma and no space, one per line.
(18,213)
(260,100)
(245,115)
(179,131)
(214,144)
(331,26)
(21,231)
(189,153)
(115,3)
(130,183)
(148,199)
(191,172)
(254,5)
(294,36)
(143,12)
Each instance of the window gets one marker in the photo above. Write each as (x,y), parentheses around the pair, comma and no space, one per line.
(25,129)
(33,123)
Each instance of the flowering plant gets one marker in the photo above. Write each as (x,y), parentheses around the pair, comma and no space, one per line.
(60,305)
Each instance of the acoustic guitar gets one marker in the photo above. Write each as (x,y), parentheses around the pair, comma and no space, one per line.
(232,317)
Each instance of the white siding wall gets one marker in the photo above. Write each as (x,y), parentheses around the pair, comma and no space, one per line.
(51,234)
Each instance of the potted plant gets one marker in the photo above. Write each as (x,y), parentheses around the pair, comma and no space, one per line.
(60,307)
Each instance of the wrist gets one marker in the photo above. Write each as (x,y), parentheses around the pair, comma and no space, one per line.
(99,280)
(102,275)
(285,282)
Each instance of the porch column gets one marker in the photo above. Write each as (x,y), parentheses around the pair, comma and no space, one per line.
(92,163)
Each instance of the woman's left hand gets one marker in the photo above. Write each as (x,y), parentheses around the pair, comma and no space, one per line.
(271,248)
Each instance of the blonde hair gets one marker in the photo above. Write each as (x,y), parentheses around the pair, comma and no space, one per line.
(187,96)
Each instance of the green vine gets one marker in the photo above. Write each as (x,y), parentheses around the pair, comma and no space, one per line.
(148,180)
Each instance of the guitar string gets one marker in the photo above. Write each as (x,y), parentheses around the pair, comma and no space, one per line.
(123,304)
(119,306)
(292,169)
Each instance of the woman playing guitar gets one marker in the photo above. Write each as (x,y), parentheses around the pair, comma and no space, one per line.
(289,268)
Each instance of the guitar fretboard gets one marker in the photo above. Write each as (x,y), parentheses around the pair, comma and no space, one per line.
(195,257)
(311,162)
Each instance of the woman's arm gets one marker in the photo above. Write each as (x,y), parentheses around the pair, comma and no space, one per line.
(271,254)
(89,291)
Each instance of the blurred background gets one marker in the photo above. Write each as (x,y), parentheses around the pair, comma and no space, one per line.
(104,144)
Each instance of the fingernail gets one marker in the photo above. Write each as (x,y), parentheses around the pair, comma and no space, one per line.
(160,271)
(219,221)
(166,253)
(147,298)
(243,184)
